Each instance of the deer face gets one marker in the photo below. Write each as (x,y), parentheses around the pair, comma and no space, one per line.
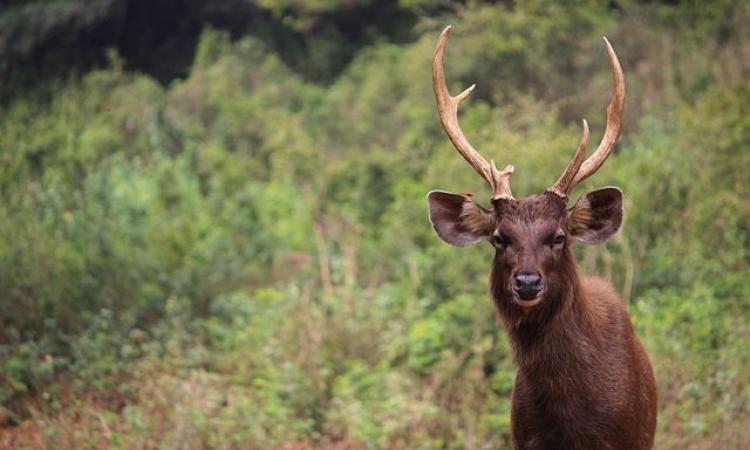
(531,236)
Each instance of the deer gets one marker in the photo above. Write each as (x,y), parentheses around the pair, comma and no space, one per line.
(583,379)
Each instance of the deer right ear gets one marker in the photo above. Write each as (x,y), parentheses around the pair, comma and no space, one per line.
(458,220)
(596,216)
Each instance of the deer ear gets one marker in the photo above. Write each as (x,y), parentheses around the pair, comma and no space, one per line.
(596,216)
(458,220)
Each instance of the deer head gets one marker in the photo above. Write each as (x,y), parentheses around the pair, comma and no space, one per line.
(531,235)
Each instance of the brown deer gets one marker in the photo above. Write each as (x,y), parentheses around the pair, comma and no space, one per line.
(584,381)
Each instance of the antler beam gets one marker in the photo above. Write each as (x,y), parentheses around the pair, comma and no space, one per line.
(448,111)
(578,171)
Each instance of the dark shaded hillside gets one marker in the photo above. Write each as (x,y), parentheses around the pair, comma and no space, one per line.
(41,40)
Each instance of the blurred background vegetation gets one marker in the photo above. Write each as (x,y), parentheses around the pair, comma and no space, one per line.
(213,229)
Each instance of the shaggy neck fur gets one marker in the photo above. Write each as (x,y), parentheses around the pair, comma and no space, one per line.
(558,332)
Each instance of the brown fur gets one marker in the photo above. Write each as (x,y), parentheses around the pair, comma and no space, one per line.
(584,380)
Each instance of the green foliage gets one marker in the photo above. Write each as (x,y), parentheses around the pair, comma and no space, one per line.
(244,257)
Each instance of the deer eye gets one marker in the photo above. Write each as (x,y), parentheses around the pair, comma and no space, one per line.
(559,239)
(501,240)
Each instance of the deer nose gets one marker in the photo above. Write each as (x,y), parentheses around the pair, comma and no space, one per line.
(527,285)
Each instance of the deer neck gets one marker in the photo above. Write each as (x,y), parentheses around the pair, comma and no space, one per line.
(560,332)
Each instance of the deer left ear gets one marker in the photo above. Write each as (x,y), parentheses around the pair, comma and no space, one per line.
(596,216)
(458,220)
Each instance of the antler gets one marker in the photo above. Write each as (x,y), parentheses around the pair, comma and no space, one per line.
(564,184)
(448,111)
(578,170)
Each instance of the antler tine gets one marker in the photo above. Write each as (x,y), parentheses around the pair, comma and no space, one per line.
(614,121)
(448,111)
(564,184)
